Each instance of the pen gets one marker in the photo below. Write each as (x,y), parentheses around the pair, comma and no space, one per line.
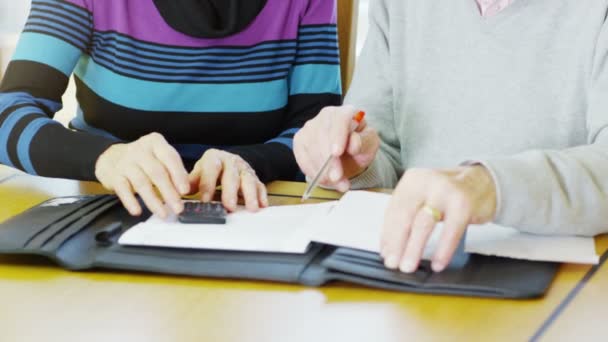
(356,121)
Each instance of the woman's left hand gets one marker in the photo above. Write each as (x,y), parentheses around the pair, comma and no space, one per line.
(458,197)
(234,175)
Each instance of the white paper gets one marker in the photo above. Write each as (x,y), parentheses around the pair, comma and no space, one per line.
(509,242)
(356,222)
(274,229)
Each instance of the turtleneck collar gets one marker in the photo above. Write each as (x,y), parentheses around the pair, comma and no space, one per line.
(209,18)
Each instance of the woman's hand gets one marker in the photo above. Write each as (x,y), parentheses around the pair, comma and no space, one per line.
(458,197)
(234,175)
(329,134)
(139,167)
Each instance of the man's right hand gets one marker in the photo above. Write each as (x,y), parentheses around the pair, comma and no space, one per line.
(329,134)
(139,167)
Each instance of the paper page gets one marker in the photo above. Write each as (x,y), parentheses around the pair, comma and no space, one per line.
(491,239)
(357,219)
(274,229)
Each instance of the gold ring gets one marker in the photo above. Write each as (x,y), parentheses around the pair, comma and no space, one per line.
(435,214)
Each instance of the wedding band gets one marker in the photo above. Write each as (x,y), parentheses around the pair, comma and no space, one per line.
(435,214)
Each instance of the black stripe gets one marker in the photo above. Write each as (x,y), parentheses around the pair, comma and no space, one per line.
(10,110)
(320,40)
(331,35)
(178,67)
(569,298)
(318,25)
(37,28)
(175,76)
(318,55)
(68,7)
(83,50)
(316,63)
(216,129)
(97,44)
(15,134)
(73,25)
(37,79)
(164,80)
(194,49)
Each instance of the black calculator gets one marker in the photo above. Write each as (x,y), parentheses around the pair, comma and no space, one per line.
(203,213)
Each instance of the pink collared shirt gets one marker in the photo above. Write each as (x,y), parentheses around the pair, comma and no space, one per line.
(489,8)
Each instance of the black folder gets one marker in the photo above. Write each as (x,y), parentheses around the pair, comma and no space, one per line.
(81,233)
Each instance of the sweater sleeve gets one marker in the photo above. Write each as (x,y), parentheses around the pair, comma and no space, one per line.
(372,91)
(314,83)
(561,191)
(56,34)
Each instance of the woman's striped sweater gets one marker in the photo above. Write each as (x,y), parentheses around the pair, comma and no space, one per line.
(248,93)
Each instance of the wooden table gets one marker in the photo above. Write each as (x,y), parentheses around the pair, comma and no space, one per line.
(40,301)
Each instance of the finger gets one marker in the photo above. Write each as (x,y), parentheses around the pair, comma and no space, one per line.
(159,176)
(262,195)
(355,144)
(194,178)
(400,214)
(421,230)
(249,189)
(125,194)
(396,229)
(173,163)
(140,182)
(340,129)
(304,159)
(210,168)
(454,227)
(230,183)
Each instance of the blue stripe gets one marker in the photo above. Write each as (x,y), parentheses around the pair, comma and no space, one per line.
(113,36)
(70,23)
(8,126)
(313,60)
(37,6)
(23,145)
(199,56)
(18,98)
(327,36)
(180,60)
(197,69)
(308,45)
(50,32)
(185,78)
(174,97)
(290,131)
(54,27)
(112,52)
(63,5)
(285,141)
(326,28)
(47,50)
(315,79)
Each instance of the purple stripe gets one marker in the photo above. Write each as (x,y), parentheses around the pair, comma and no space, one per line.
(320,12)
(140,19)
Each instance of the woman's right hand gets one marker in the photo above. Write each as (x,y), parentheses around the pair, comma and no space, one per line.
(139,167)
(329,134)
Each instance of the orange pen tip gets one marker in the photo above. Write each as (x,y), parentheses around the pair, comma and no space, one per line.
(359,116)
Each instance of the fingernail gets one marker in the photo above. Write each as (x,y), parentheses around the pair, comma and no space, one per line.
(184,189)
(335,150)
(437,266)
(408,266)
(334,175)
(177,208)
(391,262)
(206,197)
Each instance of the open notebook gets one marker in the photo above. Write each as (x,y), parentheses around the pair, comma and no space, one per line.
(355,221)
